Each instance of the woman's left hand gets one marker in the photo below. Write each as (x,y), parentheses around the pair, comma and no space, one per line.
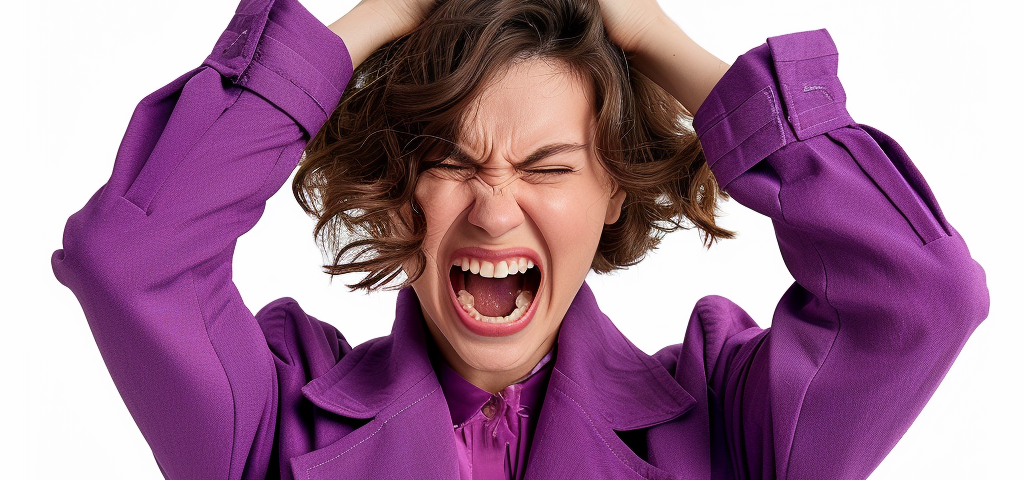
(628,22)
(660,50)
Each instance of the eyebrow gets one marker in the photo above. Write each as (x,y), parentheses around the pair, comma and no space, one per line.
(539,154)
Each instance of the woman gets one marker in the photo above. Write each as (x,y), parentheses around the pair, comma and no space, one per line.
(517,167)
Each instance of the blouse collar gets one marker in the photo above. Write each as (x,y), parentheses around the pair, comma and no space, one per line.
(465,399)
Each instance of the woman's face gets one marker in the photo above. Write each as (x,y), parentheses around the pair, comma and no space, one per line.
(513,221)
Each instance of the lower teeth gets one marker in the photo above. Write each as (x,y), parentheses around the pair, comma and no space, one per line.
(523,301)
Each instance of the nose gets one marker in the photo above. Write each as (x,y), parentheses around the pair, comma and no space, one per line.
(495,209)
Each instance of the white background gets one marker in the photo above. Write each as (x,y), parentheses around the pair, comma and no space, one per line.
(942,78)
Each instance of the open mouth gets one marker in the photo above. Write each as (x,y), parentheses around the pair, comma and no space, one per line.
(492,291)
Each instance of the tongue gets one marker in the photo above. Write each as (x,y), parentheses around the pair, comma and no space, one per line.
(494,297)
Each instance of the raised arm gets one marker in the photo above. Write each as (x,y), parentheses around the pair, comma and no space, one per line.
(662,51)
(885,293)
(149,256)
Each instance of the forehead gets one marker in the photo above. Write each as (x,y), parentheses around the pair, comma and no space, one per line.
(528,104)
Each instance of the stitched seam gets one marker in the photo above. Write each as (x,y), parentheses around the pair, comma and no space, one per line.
(829,104)
(260,193)
(234,403)
(738,145)
(417,382)
(722,116)
(237,38)
(778,124)
(830,54)
(821,260)
(791,105)
(258,58)
(799,417)
(819,123)
(181,159)
(801,128)
(385,422)
(195,294)
(775,115)
(598,432)
(305,61)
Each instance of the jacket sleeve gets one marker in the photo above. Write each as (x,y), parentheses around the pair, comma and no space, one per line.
(885,293)
(149,256)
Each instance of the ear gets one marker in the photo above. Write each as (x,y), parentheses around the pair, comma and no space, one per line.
(614,206)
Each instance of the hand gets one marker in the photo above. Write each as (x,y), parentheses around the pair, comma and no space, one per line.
(628,22)
(660,50)
(373,23)
(398,16)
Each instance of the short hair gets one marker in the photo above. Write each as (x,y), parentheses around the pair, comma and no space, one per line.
(404,106)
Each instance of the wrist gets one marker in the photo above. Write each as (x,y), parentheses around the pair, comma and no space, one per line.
(678,64)
(364,30)
(660,33)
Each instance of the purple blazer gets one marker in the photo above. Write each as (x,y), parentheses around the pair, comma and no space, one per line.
(885,294)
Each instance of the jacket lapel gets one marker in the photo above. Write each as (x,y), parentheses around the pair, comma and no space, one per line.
(391,382)
(601,383)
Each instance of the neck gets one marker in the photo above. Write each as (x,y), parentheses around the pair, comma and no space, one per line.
(492,381)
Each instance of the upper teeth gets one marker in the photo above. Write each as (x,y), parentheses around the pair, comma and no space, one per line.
(487,269)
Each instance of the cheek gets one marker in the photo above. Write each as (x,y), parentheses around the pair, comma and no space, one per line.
(570,219)
(570,214)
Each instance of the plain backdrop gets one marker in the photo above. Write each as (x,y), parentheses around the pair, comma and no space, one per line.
(942,78)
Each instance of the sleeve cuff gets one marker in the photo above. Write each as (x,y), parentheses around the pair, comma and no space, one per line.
(780,92)
(279,50)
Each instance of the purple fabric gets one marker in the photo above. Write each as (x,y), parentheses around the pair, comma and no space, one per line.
(493,432)
(885,294)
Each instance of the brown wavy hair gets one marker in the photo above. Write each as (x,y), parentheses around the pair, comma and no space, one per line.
(402,112)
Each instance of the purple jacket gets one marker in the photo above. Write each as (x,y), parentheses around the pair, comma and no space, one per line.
(885,295)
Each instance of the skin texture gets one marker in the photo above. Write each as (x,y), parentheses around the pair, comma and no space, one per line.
(556,207)
(559,217)
(373,23)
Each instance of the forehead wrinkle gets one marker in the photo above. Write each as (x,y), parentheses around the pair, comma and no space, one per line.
(479,138)
(540,153)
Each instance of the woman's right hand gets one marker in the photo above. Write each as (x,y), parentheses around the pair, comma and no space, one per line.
(373,23)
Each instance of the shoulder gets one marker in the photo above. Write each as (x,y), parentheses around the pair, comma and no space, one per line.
(298,339)
(717,331)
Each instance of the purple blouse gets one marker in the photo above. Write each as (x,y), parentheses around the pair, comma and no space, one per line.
(885,295)
(493,432)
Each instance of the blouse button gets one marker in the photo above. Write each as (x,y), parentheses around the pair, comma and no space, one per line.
(489,408)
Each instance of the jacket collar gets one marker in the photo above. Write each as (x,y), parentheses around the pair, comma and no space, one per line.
(376,373)
(630,389)
(604,371)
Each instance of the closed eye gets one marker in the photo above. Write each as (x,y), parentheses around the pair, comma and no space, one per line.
(546,174)
(451,170)
(550,170)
